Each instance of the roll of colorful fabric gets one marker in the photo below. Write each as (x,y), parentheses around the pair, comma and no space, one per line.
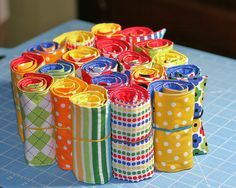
(61,90)
(91,135)
(38,120)
(76,39)
(192,73)
(170,59)
(58,70)
(80,56)
(99,66)
(143,76)
(112,47)
(107,30)
(128,60)
(154,46)
(28,62)
(173,103)
(132,139)
(111,81)
(51,51)
(137,34)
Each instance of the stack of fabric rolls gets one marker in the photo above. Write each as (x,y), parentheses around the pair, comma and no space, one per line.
(109,101)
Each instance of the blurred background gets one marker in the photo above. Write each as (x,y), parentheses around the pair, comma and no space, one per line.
(208,25)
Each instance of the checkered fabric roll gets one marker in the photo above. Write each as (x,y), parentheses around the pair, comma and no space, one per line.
(51,51)
(173,103)
(28,62)
(192,73)
(38,120)
(91,135)
(132,140)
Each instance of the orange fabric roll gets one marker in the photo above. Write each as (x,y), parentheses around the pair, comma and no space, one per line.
(61,90)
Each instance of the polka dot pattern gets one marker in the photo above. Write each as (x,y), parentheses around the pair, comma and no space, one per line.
(172,151)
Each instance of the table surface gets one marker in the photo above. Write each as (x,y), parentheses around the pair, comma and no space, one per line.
(216,169)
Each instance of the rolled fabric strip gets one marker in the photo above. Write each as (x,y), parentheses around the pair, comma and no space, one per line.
(192,73)
(76,39)
(51,51)
(61,90)
(38,120)
(112,47)
(28,62)
(128,60)
(99,66)
(111,81)
(154,46)
(91,135)
(80,56)
(170,59)
(143,76)
(132,139)
(137,34)
(173,103)
(58,70)
(107,30)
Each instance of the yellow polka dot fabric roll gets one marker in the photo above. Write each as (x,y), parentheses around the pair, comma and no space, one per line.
(173,109)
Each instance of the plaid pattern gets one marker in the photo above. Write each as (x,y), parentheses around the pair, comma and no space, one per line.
(38,128)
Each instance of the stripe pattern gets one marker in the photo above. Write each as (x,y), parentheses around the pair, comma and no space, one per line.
(91,144)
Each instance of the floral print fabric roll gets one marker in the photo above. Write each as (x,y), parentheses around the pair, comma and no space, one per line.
(192,73)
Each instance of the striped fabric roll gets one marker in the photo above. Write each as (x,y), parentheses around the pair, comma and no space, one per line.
(51,51)
(112,47)
(154,46)
(99,66)
(58,70)
(91,135)
(192,73)
(132,140)
(111,81)
(170,59)
(173,103)
(143,76)
(38,121)
(28,62)
(76,39)
(80,56)
(61,90)
(137,34)
(107,30)
(128,60)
